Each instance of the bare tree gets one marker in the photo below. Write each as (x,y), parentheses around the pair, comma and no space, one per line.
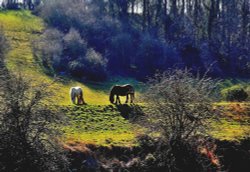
(179,108)
(28,127)
(179,105)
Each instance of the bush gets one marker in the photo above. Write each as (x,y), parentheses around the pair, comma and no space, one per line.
(92,66)
(29,129)
(247,89)
(74,45)
(3,44)
(179,104)
(234,93)
(50,48)
(96,65)
(69,53)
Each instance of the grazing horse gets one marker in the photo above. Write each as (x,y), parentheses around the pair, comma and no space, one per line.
(76,95)
(122,90)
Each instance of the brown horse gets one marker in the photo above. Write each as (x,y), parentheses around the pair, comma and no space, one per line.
(122,90)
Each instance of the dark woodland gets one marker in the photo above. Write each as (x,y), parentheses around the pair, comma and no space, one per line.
(95,39)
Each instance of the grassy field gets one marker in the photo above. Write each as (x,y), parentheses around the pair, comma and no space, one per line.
(101,125)
(21,28)
(98,122)
(234,121)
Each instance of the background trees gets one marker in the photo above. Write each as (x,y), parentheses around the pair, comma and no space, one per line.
(134,33)
(199,32)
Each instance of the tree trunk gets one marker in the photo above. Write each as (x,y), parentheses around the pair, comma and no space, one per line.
(212,15)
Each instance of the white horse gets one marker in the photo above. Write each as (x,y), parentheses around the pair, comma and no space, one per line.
(76,95)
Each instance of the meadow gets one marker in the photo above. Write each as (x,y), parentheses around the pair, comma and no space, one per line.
(98,122)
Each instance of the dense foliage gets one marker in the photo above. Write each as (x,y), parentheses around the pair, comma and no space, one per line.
(69,53)
(138,37)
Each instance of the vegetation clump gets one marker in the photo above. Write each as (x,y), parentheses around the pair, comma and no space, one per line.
(179,107)
(69,53)
(235,93)
(28,127)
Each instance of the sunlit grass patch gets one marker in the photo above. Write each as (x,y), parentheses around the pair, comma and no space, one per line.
(230,130)
(234,123)
(20,21)
(102,125)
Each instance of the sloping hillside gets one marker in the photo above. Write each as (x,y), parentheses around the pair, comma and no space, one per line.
(86,124)
(21,28)
(99,122)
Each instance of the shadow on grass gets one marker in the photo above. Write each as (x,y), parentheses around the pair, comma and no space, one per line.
(130,112)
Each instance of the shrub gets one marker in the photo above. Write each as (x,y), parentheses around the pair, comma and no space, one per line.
(179,107)
(74,45)
(50,48)
(247,89)
(76,68)
(179,104)
(3,44)
(92,66)
(95,65)
(29,129)
(234,93)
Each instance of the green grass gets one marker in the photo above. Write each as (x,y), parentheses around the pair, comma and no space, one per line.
(234,123)
(88,124)
(21,28)
(102,125)
(230,130)
(98,122)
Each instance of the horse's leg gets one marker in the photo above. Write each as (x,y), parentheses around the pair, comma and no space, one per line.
(74,99)
(127,97)
(132,96)
(80,100)
(72,96)
(118,99)
(77,100)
